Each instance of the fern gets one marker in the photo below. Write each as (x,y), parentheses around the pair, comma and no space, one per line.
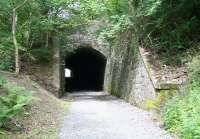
(13,102)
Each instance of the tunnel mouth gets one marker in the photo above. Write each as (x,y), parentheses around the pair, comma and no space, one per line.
(85,69)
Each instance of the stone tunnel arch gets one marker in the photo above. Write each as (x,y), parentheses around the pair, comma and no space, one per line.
(87,66)
(64,49)
(121,78)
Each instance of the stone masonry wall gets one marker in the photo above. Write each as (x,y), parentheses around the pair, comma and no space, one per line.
(127,77)
(127,73)
(143,89)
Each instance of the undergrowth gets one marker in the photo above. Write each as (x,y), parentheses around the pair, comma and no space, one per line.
(14,101)
(182,113)
(6,56)
(169,28)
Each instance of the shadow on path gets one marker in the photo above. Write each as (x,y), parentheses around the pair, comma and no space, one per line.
(98,96)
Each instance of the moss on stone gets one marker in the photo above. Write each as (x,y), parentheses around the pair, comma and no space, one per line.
(162,97)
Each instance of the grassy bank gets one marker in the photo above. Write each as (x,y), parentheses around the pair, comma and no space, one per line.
(43,118)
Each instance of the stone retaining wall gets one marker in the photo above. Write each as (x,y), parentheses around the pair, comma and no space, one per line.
(127,77)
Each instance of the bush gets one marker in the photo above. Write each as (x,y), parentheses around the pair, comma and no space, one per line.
(182,113)
(13,102)
(168,25)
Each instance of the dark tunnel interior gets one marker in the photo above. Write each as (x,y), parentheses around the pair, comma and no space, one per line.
(87,67)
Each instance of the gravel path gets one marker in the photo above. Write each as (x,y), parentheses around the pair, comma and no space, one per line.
(97,115)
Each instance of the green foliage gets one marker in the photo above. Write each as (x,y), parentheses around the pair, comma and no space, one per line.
(182,113)
(165,26)
(6,55)
(6,46)
(13,102)
(117,7)
(120,24)
(90,9)
(37,21)
(168,25)
(41,55)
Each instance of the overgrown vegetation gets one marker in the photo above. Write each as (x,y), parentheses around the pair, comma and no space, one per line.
(168,24)
(168,27)
(36,25)
(182,112)
(14,101)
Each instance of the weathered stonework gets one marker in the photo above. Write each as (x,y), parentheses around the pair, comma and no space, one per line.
(127,77)
(127,73)
(143,89)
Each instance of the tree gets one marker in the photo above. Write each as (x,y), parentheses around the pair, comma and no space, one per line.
(33,24)
(14,26)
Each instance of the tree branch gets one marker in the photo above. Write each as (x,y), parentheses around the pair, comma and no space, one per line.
(19,6)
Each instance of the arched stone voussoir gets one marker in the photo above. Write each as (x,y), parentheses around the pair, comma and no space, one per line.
(76,41)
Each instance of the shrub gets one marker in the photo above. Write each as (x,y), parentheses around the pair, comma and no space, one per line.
(182,113)
(168,25)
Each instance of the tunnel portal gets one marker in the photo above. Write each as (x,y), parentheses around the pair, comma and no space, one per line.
(87,69)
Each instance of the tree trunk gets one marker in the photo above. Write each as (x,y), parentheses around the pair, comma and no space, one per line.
(14,25)
(47,39)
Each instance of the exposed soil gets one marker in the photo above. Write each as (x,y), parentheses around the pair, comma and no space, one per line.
(163,73)
(42,74)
